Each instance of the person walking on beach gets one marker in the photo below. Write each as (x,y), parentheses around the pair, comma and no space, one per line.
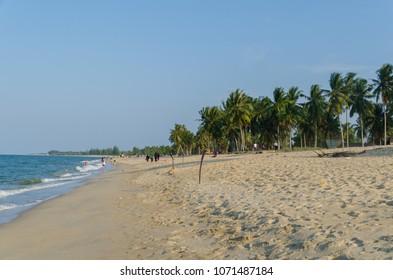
(275,145)
(292,144)
(103,161)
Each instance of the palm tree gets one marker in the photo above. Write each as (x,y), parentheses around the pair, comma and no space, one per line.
(316,106)
(292,113)
(212,122)
(361,92)
(278,112)
(182,138)
(189,141)
(261,123)
(384,88)
(338,98)
(348,80)
(331,125)
(303,125)
(239,110)
(375,123)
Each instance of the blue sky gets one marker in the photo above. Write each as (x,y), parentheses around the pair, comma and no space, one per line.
(82,74)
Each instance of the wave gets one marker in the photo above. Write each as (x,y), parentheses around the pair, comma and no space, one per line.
(89,167)
(6,193)
(8,206)
(33,181)
(69,177)
(35,184)
(11,206)
(30,180)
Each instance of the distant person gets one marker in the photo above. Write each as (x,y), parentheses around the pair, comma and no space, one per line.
(292,144)
(147,158)
(103,161)
(275,145)
(255,147)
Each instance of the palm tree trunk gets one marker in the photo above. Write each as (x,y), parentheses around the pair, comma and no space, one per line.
(301,140)
(361,128)
(346,117)
(384,116)
(242,138)
(315,135)
(236,144)
(342,132)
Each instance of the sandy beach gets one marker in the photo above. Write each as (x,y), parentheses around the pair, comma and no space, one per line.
(290,205)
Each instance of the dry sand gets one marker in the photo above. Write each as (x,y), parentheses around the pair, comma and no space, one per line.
(291,205)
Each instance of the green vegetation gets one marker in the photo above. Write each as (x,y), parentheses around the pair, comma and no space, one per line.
(115,151)
(308,119)
(241,120)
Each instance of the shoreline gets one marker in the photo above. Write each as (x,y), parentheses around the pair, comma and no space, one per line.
(75,225)
(30,190)
(290,205)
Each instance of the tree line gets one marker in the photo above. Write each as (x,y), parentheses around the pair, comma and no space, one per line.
(115,151)
(308,118)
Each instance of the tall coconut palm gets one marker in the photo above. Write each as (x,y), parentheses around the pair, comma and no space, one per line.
(384,88)
(303,125)
(292,113)
(211,118)
(180,137)
(338,98)
(331,125)
(238,110)
(316,106)
(361,93)
(375,123)
(262,120)
(348,80)
(278,110)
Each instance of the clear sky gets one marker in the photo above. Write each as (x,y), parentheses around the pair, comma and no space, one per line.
(81,74)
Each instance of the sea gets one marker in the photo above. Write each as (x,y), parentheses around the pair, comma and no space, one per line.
(27,180)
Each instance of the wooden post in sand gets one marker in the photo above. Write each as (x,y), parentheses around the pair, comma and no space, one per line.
(172,171)
(200,167)
(173,162)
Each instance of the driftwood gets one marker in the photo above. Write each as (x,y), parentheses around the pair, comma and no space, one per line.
(339,154)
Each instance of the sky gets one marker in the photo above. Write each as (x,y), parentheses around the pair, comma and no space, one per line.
(81,74)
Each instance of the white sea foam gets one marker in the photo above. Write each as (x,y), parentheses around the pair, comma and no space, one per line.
(69,177)
(11,206)
(6,193)
(90,167)
(47,177)
(8,206)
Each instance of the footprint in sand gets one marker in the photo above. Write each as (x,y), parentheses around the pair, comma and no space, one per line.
(358,242)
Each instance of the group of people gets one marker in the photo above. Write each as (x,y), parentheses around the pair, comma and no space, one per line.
(275,146)
(156,157)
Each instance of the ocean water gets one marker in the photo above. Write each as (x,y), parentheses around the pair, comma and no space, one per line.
(25,181)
